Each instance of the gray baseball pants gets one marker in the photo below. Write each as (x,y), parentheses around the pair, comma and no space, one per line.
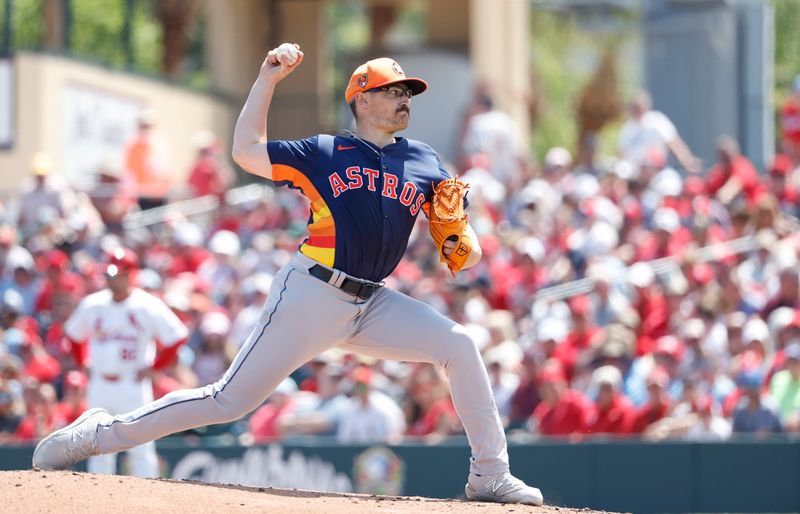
(305,316)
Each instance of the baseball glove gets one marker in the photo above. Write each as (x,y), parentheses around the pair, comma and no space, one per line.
(448,221)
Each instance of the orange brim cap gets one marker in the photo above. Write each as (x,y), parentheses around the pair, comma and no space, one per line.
(378,73)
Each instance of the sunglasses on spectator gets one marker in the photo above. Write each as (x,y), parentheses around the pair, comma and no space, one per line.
(395,92)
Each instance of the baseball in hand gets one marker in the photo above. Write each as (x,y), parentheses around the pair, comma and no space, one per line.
(289,50)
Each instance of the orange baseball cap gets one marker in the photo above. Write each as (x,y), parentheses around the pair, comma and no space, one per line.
(378,73)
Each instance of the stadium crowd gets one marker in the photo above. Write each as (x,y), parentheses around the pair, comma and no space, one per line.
(702,349)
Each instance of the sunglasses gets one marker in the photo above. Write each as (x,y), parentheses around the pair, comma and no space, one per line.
(395,92)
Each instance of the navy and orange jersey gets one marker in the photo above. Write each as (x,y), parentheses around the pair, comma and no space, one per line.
(364,199)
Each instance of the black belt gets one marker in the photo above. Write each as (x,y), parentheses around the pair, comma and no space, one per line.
(358,288)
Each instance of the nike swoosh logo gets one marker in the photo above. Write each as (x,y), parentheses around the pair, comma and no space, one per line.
(340,147)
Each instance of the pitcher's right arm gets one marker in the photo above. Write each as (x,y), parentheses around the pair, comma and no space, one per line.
(250,134)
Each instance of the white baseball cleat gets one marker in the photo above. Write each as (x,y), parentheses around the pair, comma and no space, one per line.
(73,443)
(501,488)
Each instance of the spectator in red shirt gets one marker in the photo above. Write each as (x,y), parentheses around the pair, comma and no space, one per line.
(186,251)
(526,397)
(650,305)
(435,413)
(790,122)
(517,275)
(788,294)
(264,424)
(733,174)
(38,364)
(55,263)
(779,186)
(42,417)
(581,335)
(209,175)
(667,238)
(613,412)
(658,403)
(74,401)
(562,410)
(55,342)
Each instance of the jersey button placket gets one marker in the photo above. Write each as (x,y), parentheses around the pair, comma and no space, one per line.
(386,231)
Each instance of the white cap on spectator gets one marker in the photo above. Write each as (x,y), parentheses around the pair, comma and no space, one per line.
(666,219)
(12,301)
(779,319)
(78,221)
(667,182)
(534,192)
(792,350)
(215,323)
(263,242)
(557,156)
(177,299)
(785,257)
(755,330)
(137,237)
(766,238)
(149,279)
(111,166)
(225,242)
(329,356)
(641,274)
(479,334)
(187,234)
(577,240)
(551,329)
(607,375)
(258,283)
(736,320)
(19,257)
(675,284)
(693,328)
(601,239)
(287,386)
(606,210)
(586,186)
(532,247)
(506,355)
(624,170)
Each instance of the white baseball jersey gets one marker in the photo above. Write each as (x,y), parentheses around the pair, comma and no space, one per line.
(121,336)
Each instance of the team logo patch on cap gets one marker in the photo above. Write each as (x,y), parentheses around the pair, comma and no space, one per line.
(397,69)
(362,80)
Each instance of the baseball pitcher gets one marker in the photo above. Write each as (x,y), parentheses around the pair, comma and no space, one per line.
(366,190)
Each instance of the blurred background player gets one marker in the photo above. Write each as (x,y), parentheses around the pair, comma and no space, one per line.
(120,326)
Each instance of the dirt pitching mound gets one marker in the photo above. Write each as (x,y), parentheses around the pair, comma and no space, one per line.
(68,491)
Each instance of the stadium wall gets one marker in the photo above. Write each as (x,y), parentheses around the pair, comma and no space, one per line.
(630,476)
(79,112)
